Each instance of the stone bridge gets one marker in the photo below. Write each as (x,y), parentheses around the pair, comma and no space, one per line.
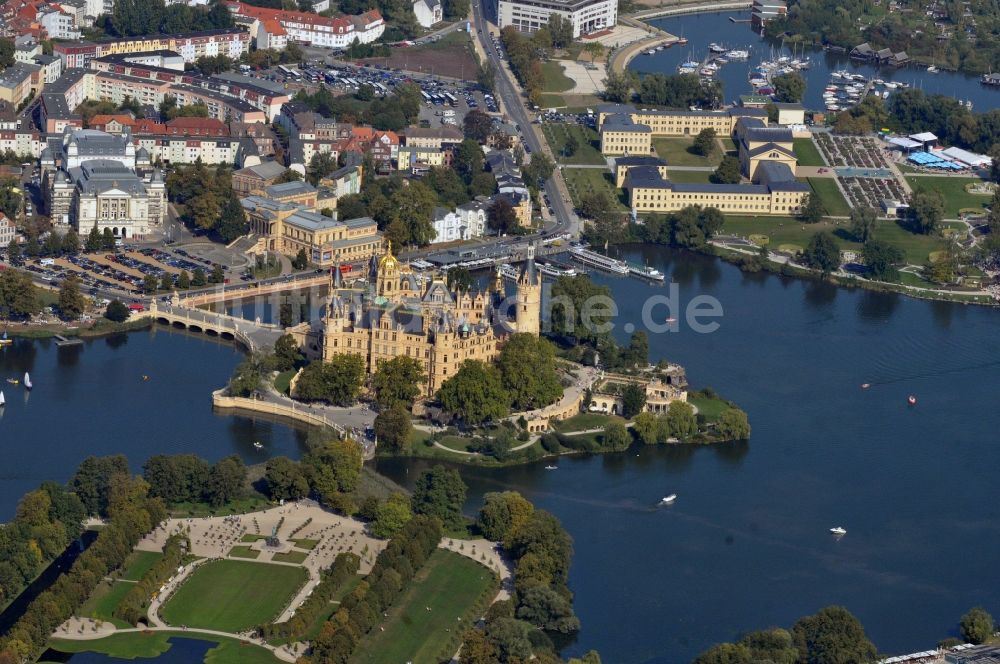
(254,336)
(224,293)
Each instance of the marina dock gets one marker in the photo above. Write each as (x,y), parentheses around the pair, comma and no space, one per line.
(63,341)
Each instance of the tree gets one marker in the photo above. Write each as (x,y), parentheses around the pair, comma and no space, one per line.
(18,296)
(391,516)
(232,223)
(728,171)
(71,243)
(646,428)
(184,280)
(501,217)
(468,159)
(218,275)
(150,283)
(198,279)
(883,260)
(477,125)
(248,377)
(337,380)
(976,626)
(285,479)
(538,170)
(440,492)
(503,514)
(812,209)
(570,146)
(864,221)
(822,253)
(789,88)
(393,427)
(528,372)
(942,269)
(166,281)
(116,312)
(13,251)
(616,437)
(633,400)
(333,469)
(733,424)
(71,301)
(679,422)
(561,30)
(704,142)
(321,165)
(510,639)
(475,393)
(460,279)
(301,260)
(93,242)
(546,609)
(398,380)
(286,353)
(618,87)
(926,211)
(226,481)
(832,636)
(92,481)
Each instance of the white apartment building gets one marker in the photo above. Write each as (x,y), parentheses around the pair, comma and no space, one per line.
(7,231)
(587,16)
(57,24)
(463,223)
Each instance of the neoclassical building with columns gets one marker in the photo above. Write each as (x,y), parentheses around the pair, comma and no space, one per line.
(397,312)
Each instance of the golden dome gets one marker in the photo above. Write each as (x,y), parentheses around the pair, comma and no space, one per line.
(388,261)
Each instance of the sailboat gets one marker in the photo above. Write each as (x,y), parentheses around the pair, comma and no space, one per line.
(27,381)
(4,341)
(3,399)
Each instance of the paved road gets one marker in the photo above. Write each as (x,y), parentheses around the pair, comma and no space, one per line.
(511,96)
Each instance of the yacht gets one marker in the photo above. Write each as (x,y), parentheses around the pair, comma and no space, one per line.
(257,445)
(550,467)
(737,54)
(716,48)
(668,500)
(932,70)
(651,51)
(838,531)
(691,64)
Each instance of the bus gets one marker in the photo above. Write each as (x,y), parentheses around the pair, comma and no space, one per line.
(288,72)
(427,97)
(451,98)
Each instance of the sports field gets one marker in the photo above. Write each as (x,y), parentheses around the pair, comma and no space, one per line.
(233,595)
(426,618)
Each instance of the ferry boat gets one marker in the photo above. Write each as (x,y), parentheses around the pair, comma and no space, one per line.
(838,530)
(646,272)
(716,48)
(553,271)
(599,260)
(507,271)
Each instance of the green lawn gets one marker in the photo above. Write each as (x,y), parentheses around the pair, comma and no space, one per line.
(687,177)
(581,181)
(554,78)
(585,421)
(710,408)
(807,153)
(233,595)
(787,230)
(132,645)
(283,380)
(104,600)
(251,503)
(675,151)
(138,563)
(827,192)
(290,557)
(450,584)
(243,552)
(307,544)
(588,143)
(953,190)
(252,538)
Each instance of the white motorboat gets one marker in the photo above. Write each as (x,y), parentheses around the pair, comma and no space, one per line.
(257,445)
(838,531)
(668,500)
(932,69)
(651,52)
(737,54)
(716,48)
(551,467)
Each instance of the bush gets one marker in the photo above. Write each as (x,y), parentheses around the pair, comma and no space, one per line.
(550,443)
(117,312)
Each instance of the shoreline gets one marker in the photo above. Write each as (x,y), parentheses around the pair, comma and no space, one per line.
(100,328)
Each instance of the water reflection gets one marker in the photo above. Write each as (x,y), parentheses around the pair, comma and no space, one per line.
(877,307)
(116,340)
(182,650)
(69,356)
(733,452)
(820,294)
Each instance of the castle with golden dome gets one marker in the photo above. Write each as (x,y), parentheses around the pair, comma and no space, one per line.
(398,312)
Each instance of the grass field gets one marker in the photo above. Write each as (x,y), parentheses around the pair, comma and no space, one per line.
(675,151)
(710,408)
(252,538)
(587,140)
(132,645)
(828,193)
(787,230)
(232,595)
(581,181)
(554,78)
(138,563)
(283,380)
(307,544)
(807,153)
(449,584)
(290,557)
(585,421)
(104,600)
(699,177)
(953,190)
(243,552)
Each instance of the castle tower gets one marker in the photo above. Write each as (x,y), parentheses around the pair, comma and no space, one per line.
(387,275)
(528,315)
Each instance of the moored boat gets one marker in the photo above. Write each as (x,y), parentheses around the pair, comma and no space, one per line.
(27,380)
(668,500)
(838,530)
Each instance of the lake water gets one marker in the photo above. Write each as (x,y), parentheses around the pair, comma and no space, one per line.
(182,651)
(703,29)
(91,399)
(746,545)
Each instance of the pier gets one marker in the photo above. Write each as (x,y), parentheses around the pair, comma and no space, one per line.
(63,341)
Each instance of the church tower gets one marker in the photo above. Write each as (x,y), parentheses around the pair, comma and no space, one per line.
(527,317)
(387,275)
